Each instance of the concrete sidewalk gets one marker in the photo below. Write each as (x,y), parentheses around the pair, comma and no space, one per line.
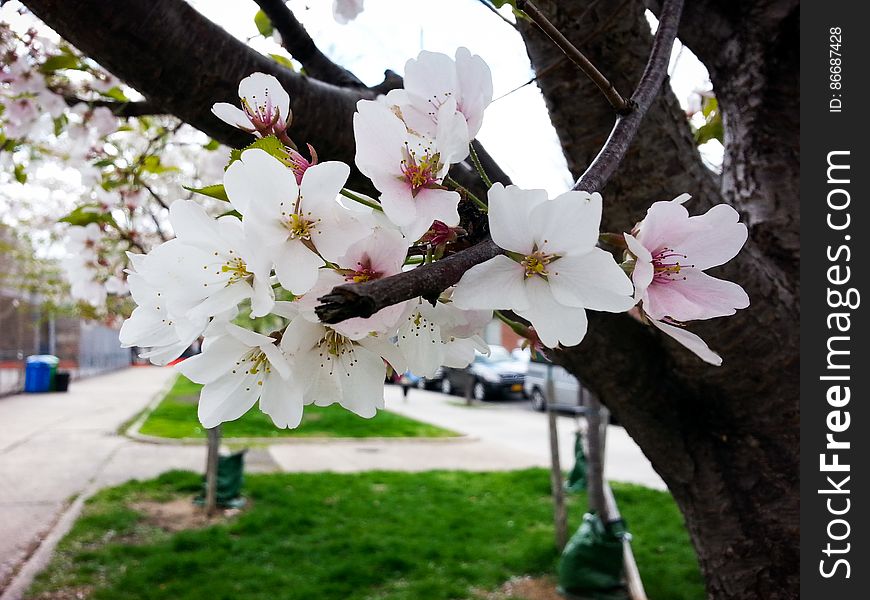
(55,446)
(521,434)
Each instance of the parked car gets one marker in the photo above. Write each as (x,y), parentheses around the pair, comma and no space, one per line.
(494,376)
(567,391)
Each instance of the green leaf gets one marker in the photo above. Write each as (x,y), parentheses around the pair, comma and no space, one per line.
(104,162)
(283,61)
(270,144)
(500,3)
(60,61)
(212,145)
(231,213)
(86,214)
(710,104)
(712,130)
(115,93)
(152,164)
(263,23)
(212,191)
(7,144)
(20,174)
(60,124)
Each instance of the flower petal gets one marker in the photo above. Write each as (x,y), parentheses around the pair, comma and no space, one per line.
(232,114)
(496,283)
(644,271)
(697,296)
(262,183)
(297,267)
(216,360)
(362,381)
(718,237)
(509,209)
(665,225)
(227,398)
(321,184)
(567,224)
(553,322)
(259,88)
(592,280)
(282,401)
(690,341)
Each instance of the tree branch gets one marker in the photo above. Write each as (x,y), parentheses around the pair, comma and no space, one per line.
(183,63)
(299,44)
(619,104)
(119,109)
(365,299)
(428,281)
(649,86)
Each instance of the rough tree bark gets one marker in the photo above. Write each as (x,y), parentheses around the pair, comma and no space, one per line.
(723,439)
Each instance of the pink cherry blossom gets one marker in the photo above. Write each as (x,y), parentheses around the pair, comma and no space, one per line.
(265,107)
(408,169)
(345,11)
(672,250)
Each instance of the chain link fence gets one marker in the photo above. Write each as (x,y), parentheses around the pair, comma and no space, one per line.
(84,348)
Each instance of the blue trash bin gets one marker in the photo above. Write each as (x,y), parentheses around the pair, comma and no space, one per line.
(37,373)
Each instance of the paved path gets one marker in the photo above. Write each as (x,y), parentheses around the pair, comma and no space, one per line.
(55,446)
(521,434)
(59,448)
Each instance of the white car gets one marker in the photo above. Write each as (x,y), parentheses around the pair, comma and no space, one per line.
(567,391)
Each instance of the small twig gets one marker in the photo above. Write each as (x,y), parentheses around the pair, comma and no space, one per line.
(537,76)
(651,81)
(495,172)
(359,199)
(492,8)
(299,44)
(119,109)
(152,193)
(477,165)
(619,104)
(463,191)
(157,225)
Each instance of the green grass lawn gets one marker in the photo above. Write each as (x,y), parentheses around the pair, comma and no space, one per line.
(175,417)
(437,535)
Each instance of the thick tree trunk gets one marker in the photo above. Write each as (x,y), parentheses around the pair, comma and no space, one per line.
(723,439)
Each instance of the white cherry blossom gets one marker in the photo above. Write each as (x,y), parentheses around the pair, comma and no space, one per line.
(153,327)
(265,107)
(333,369)
(238,367)
(408,169)
(671,252)
(210,267)
(554,272)
(299,227)
(432,336)
(434,80)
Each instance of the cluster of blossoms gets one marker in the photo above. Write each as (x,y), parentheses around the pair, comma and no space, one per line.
(249,281)
(66,153)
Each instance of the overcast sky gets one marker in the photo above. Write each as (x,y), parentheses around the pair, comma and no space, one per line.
(516,130)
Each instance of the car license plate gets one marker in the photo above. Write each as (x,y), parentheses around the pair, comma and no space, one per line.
(517,387)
